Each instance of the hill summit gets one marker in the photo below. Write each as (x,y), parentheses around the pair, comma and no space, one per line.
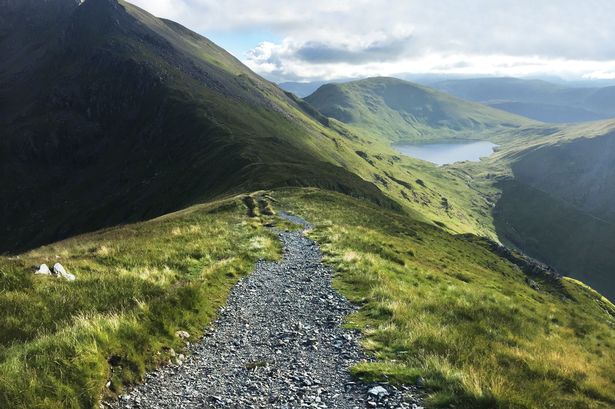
(401,110)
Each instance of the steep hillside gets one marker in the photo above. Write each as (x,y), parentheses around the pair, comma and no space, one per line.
(398,110)
(557,199)
(111,115)
(536,99)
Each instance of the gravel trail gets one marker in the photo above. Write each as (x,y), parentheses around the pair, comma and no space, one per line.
(278,343)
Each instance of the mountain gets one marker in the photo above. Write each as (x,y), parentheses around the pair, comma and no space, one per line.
(537,99)
(556,200)
(545,181)
(548,112)
(110,115)
(398,110)
(603,100)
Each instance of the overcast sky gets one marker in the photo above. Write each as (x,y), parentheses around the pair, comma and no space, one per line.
(329,39)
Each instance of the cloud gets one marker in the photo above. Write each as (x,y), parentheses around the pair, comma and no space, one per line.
(344,37)
(389,49)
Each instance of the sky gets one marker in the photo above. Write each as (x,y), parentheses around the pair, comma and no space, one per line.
(335,39)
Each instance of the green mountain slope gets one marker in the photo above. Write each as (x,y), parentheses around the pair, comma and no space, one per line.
(61,342)
(482,330)
(118,116)
(550,185)
(111,115)
(556,199)
(398,110)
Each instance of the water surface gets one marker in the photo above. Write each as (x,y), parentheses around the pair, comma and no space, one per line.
(443,153)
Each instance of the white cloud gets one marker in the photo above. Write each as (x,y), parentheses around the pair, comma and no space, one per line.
(344,38)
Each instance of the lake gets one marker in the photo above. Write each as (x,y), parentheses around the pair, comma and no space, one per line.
(444,153)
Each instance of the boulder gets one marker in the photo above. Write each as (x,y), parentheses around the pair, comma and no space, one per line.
(60,271)
(378,392)
(43,270)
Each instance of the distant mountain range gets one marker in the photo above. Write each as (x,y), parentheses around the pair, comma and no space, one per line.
(536,99)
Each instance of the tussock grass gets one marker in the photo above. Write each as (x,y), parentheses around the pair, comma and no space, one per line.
(61,342)
(447,309)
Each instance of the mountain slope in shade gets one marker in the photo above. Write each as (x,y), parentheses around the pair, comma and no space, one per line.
(557,200)
(399,110)
(109,115)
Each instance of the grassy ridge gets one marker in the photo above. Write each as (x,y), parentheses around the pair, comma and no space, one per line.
(397,110)
(447,309)
(437,306)
(61,342)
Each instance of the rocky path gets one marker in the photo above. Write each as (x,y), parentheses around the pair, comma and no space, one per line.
(278,343)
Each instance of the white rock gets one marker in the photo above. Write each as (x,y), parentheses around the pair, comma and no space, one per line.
(182,334)
(378,391)
(43,270)
(59,271)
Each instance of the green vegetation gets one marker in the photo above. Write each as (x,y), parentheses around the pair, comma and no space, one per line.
(397,110)
(441,307)
(158,118)
(61,342)
(555,198)
(447,309)
(181,121)
(547,191)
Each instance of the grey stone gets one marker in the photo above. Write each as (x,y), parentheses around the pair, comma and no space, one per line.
(378,391)
(43,270)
